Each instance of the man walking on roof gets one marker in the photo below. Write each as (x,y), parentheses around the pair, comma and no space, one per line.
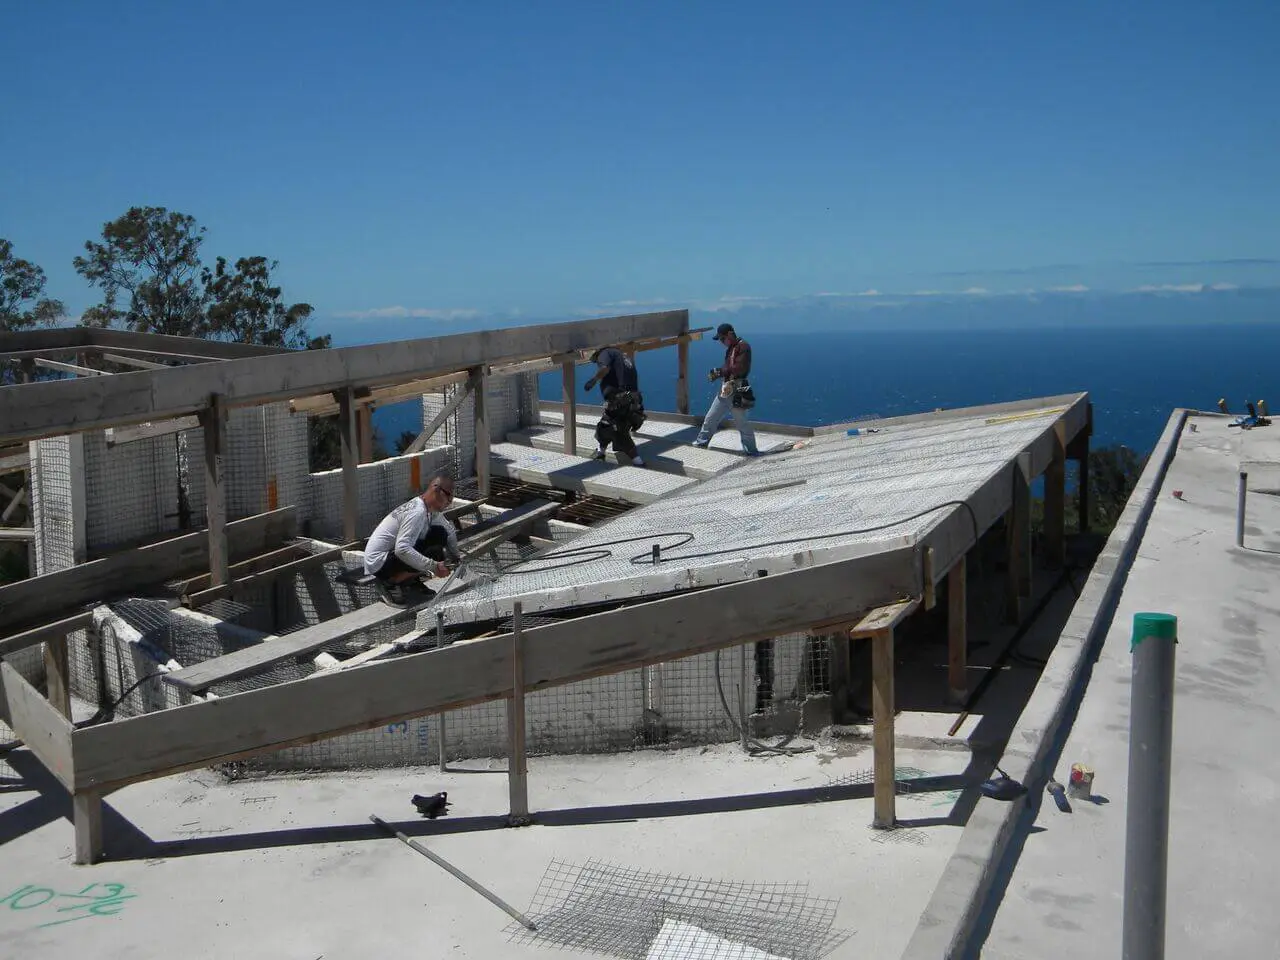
(623,403)
(412,541)
(735,395)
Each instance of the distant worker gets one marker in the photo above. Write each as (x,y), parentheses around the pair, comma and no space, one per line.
(413,540)
(735,395)
(623,403)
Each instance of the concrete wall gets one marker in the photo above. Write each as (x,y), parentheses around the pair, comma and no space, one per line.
(384,485)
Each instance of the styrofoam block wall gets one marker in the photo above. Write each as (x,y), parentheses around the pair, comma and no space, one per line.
(690,700)
(512,404)
(131,491)
(384,485)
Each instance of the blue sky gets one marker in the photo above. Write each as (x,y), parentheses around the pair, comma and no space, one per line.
(417,161)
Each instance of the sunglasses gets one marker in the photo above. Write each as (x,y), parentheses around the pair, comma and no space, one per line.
(447,494)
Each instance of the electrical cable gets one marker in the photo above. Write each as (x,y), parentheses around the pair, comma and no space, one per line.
(754,746)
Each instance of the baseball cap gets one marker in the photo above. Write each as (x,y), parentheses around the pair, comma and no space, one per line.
(722,330)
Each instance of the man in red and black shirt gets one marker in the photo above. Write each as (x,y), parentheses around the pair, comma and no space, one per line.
(734,396)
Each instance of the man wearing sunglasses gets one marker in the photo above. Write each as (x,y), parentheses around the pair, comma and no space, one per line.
(412,541)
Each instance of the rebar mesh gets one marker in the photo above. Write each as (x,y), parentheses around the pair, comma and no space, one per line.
(637,914)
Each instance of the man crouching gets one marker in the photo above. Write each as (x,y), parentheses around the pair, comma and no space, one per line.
(412,543)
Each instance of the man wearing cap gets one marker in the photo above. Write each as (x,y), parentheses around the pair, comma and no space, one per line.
(735,396)
(623,403)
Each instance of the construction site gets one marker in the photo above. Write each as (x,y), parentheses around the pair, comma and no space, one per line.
(761,704)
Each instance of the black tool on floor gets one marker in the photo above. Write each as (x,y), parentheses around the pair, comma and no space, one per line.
(433,806)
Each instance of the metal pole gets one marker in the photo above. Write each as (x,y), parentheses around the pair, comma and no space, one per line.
(517,769)
(440,737)
(440,861)
(1146,846)
(1243,494)
(742,695)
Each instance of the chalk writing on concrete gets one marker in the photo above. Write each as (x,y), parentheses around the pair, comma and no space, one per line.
(95,900)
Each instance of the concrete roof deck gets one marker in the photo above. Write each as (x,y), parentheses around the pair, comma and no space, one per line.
(1065,896)
(832,497)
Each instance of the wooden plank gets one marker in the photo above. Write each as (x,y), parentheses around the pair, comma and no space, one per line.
(568,384)
(44,338)
(69,368)
(264,561)
(1055,502)
(52,409)
(383,692)
(17,533)
(682,376)
(884,767)
(350,465)
(145,431)
(45,731)
(421,440)
(86,814)
(480,392)
(27,602)
(14,460)
(269,575)
(517,765)
(326,406)
(487,534)
(1018,583)
(957,632)
(364,430)
(43,633)
(58,675)
(883,618)
(930,587)
(127,341)
(136,362)
(242,663)
(214,424)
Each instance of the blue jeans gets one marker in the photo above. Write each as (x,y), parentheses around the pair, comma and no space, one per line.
(722,407)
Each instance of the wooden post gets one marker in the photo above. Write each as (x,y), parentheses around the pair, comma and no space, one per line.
(957,632)
(364,416)
(930,587)
(87,816)
(213,421)
(1055,502)
(517,771)
(348,431)
(682,375)
(885,815)
(480,389)
(58,675)
(1019,540)
(841,679)
(568,381)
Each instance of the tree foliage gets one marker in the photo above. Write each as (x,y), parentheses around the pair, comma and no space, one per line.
(245,306)
(22,303)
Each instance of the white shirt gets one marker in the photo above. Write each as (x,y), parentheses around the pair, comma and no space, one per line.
(399,533)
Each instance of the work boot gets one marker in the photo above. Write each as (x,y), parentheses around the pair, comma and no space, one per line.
(598,455)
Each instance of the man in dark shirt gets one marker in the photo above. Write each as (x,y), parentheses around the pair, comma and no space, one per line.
(735,396)
(623,403)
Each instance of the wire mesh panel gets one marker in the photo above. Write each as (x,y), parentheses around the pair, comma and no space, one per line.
(642,915)
(131,490)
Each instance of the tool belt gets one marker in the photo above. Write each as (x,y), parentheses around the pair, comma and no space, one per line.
(743,397)
(626,408)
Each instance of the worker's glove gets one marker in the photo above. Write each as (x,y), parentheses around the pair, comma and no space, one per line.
(586,387)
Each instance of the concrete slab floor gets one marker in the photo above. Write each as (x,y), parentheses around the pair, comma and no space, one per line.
(1065,896)
(292,867)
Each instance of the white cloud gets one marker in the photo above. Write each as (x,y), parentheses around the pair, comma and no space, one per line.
(926,293)
(1171,288)
(1224,286)
(406,313)
(976,291)
(734,303)
(1073,288)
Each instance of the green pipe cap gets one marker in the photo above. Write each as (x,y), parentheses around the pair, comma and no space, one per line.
(1161,626)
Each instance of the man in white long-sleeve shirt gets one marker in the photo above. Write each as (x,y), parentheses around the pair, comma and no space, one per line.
(413,540)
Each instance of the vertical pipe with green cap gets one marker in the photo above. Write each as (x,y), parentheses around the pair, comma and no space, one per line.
(1146,847)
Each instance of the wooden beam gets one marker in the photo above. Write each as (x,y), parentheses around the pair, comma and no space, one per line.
(957,632)
(541,365)
(44,338)
(127,341)
(568,384)
(182,360)
(841,678)
(327,406)
(487,534)
(264,561)
(269,575)
(350,465)
(930,588)
(480,391)
(1018,586)
(682,375)
(44,633)
(27,603)
(517,766)
(145,431)
(15,504)
(86,813)
(55,408)
(45,731)
(14,460)
(421,440)
(885,770)
(69,368)
(476,672)
(364,429)
(214,424)
(1055,502)
(57,674)
(17,533)
(883,618)
(136,362)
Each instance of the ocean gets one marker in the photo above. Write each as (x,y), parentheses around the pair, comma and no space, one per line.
(1134,376)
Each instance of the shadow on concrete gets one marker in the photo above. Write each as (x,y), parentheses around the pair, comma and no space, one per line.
(127,842)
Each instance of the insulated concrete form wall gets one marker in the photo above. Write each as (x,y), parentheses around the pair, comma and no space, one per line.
(384,485)
(130,489)
(512,404)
